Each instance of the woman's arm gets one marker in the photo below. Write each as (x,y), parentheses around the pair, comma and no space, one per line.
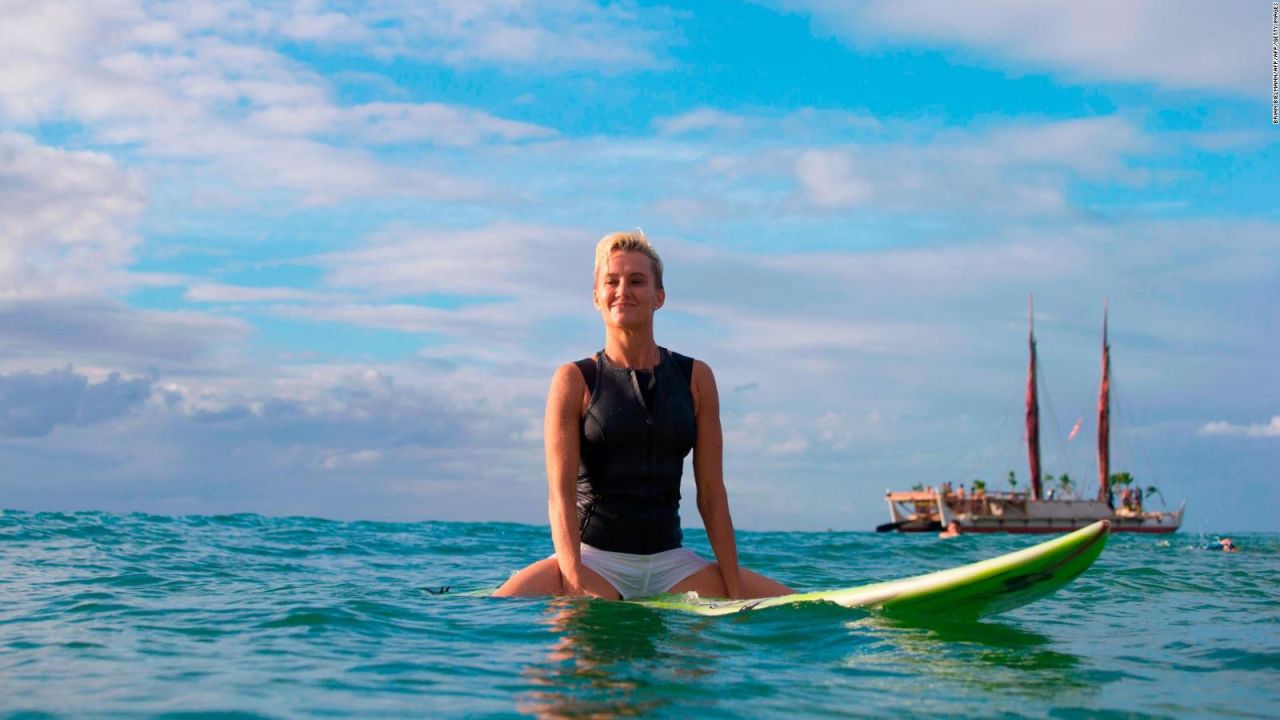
(708,473)
(560,436)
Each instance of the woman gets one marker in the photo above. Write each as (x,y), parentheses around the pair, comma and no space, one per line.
(617,429)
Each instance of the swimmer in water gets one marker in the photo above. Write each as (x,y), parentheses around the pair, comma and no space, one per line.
(1228,546)
(953,530)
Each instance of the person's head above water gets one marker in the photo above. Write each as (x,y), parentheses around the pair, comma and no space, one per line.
(633,241)
(628,285)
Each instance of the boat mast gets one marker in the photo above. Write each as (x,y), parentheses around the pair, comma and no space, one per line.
(1033,406)
(1104,415)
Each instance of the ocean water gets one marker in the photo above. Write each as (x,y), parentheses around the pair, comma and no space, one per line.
(106,615)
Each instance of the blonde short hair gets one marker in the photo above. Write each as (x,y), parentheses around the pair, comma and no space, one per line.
(633,241)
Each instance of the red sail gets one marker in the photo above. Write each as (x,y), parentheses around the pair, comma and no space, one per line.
(1033,419)
(1104,417)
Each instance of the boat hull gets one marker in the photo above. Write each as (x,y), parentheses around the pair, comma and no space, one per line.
(1014,528)
(1016,514)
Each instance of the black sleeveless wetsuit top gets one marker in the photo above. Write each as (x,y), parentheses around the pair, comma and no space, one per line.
(634,437)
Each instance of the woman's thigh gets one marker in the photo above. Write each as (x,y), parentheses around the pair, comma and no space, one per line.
(540,578)
(708,582)
(543,578)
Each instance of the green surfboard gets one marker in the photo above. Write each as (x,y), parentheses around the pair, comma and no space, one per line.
(967,592)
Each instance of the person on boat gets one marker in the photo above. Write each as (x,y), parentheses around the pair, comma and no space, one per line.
(617,429)
(953,530)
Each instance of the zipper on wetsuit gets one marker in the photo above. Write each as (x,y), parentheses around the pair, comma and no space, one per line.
(635,385)
(648,455)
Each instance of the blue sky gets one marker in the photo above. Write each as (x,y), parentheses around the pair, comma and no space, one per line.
(322,259)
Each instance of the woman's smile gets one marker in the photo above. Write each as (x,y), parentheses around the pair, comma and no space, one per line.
(626,289)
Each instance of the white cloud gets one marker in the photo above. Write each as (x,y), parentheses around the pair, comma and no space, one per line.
(349,459)
(66,221)
(940,269)
(201,83)
(831,178)
(558,34)
(392,123)
(700,120)
(791,446)
(345,411)
(487,320)
(107,333)
(797,125)
(1094,146)
(1222,427)
(782,434)
(822,331)
(310,22)
(221,293)
(1173,44)
(990,172)
(1015,169)
(835,430)
(502,261)
(433,122)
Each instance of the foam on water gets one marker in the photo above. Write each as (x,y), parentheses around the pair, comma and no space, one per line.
(104,614)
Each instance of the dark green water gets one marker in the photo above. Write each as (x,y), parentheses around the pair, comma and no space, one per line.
(247,616)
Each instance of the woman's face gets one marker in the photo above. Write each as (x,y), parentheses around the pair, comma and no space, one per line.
(625,292)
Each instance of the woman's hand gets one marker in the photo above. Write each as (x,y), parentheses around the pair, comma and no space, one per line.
(572,580)
(582,581)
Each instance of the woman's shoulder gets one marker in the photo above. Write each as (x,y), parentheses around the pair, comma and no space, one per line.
(571,374)
(685,364)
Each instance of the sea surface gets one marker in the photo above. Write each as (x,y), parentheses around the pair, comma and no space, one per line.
(106,615)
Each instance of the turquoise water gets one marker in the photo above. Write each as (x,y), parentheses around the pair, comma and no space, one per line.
(249,616)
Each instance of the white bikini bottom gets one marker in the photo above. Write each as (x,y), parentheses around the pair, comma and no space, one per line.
(636,576)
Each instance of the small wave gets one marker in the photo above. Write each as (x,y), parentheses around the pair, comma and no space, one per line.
(315,618)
